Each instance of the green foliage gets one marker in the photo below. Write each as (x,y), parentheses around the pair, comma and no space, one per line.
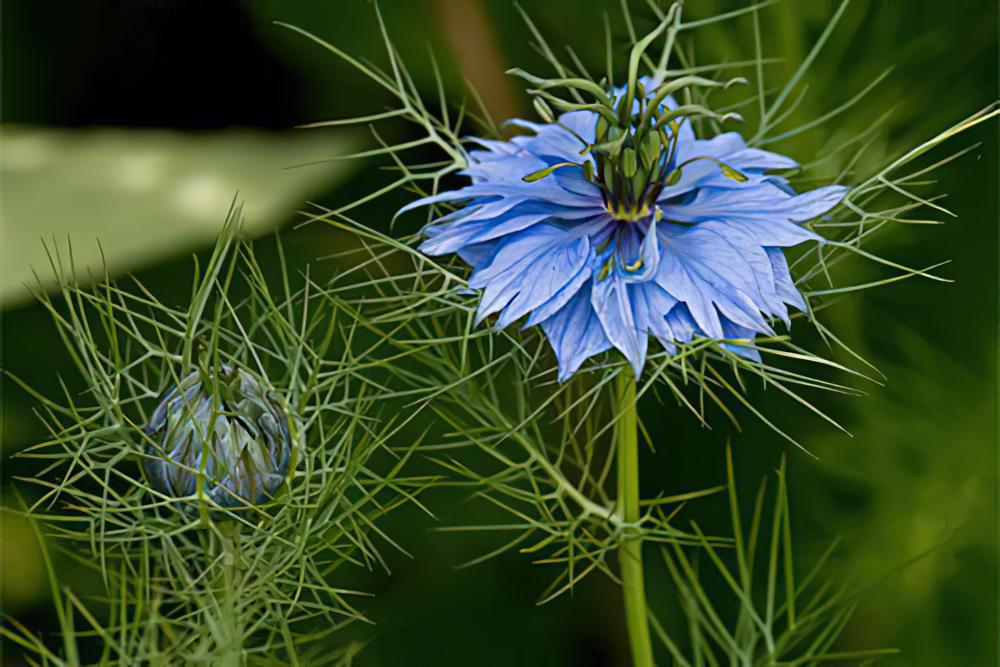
(785,621)
(182,578)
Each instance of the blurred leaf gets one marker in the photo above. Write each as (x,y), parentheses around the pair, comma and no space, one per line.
(147,194)
(20,562)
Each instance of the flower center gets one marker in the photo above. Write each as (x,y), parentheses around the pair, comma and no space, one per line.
(633,161)
(633,157)
(635,151)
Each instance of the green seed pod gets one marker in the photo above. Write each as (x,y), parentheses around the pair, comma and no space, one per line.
(609,176)
(629,166)
(601,129)
(649,150)
(624,115)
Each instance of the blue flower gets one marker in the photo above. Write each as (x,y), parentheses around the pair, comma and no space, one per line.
(229,430)
(605,234)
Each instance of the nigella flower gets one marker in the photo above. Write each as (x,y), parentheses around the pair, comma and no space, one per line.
(605,228)
(227,429)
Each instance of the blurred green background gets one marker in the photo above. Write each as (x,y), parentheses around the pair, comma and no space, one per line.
(136,123)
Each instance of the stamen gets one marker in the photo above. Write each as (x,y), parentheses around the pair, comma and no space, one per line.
(635,142)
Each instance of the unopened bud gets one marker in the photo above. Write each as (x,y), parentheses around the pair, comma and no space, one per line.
(224,430)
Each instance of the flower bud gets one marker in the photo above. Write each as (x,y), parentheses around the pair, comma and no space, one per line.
(225,429)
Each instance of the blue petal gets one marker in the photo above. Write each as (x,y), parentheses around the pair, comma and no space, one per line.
(735,332)
(578,281)
(613,305)
(783,283)
(528,269)
(652,303)
(561,270)
(646,258)
(760,269)
(556,142)
(451,233)
(730,148)
(575,333)
(764,210)
(682,324)
(559,299)
(478,254)
(706,272)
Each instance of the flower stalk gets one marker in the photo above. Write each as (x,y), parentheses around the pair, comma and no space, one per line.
(630,551)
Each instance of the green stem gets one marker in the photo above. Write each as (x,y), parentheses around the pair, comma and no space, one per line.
(232,649)
(630,551)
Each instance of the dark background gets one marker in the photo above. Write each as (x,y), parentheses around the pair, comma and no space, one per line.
(919,475)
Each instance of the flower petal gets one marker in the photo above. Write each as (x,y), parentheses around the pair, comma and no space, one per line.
(764,210)
(613,305)
(528,269)
(699,267)
(652,303)
(533,246)
(783,283)
(735,332)
(575,333)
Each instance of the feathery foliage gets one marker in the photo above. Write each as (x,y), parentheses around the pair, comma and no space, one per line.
(765,615)
(183,578)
